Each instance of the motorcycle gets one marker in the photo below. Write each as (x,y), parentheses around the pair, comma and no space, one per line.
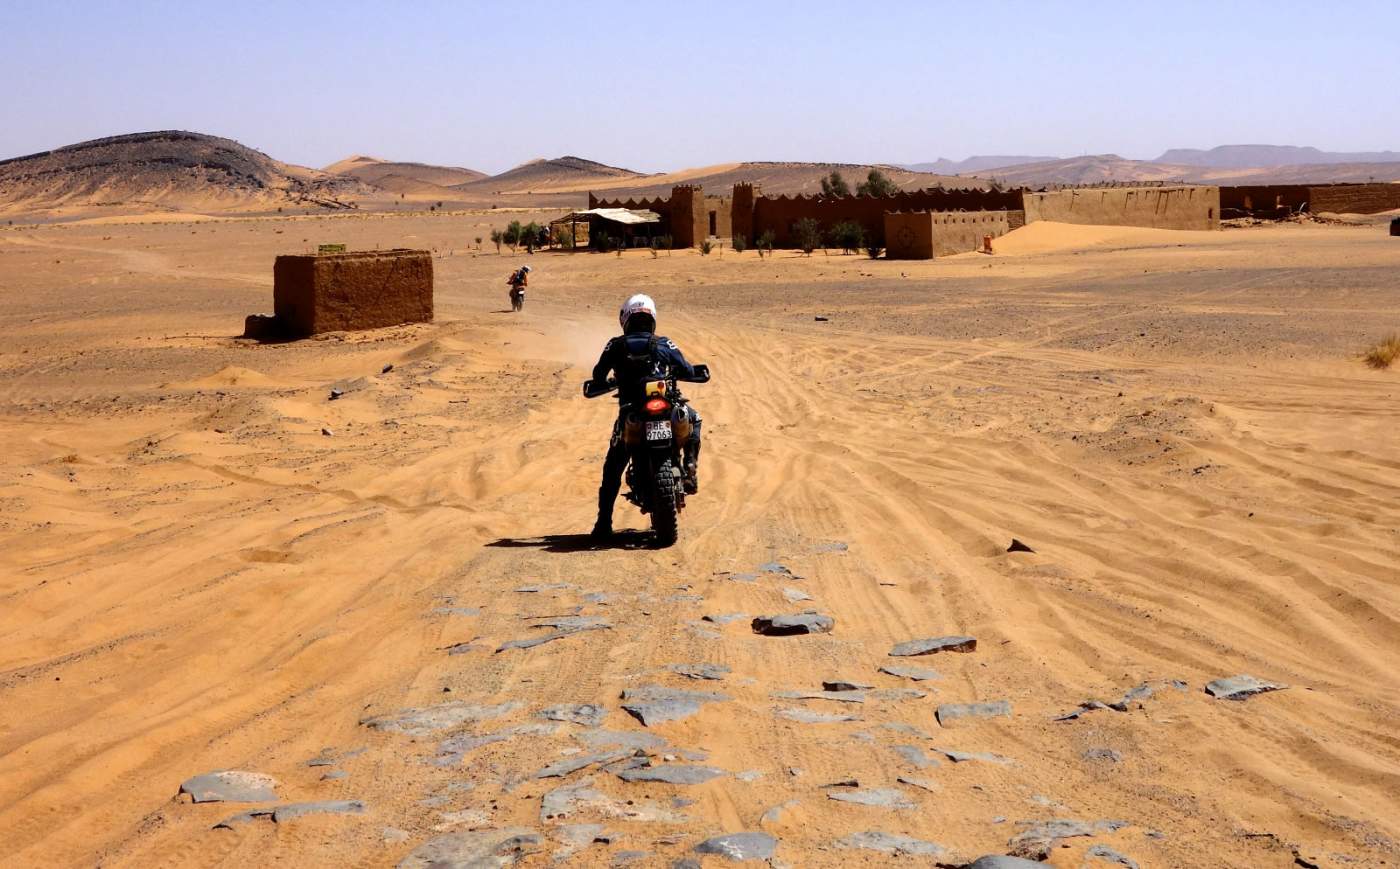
(654,435)
(517,298)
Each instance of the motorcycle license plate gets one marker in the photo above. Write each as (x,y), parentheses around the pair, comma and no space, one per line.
(659,431)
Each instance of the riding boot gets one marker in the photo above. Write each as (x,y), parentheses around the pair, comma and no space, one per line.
(690,481)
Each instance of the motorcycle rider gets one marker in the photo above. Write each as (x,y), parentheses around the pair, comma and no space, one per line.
(634,357)
(518,280)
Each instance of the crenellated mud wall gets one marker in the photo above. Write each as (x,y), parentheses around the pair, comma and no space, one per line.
(1179,207)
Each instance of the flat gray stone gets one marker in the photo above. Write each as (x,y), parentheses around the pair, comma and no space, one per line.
(1133,695)
(774,567)
(969,756)
(710,672)
(565,626)
(1103,852)
(547,586)
(934,645)
(951,713)
(335,775)
(230,786)
(884,798)
(915,755)
(921,783)
(427,719)
(917,674)
(580,761)
(1084,709)
(837,696)
(475,849)
(624,738)
(1000,861)
(725,618)
(898,694)
(1240,687)
(622,858)
(455,611)
(753,845)
(293,811)
(890,843)
(1038,838)
(807,716)
(774,814)
(586,714)
(652,705)
(795,595)
(451,750)
(671,774)
(793,624)
(845,685)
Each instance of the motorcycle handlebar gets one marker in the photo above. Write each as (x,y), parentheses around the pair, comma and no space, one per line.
(595,390)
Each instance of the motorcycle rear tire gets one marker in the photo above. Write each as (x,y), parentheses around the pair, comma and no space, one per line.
(663,512)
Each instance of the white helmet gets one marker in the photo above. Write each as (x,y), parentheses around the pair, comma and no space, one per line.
(638,304)
(525,269)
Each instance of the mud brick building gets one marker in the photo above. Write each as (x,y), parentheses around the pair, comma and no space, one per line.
(356,290)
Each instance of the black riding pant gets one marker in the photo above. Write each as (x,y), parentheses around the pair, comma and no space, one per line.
(615,463)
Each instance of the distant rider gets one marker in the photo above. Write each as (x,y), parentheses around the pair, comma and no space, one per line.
(518,280)
(634,357)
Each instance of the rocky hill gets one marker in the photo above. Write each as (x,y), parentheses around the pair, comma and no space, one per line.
(168,170)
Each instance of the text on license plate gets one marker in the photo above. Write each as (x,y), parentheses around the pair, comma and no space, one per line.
(659,431)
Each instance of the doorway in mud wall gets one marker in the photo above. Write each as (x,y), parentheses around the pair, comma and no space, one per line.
(713,224)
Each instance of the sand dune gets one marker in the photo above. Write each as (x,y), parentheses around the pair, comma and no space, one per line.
(193,577)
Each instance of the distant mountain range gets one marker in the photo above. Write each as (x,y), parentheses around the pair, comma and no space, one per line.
(944,166)
(1264,156)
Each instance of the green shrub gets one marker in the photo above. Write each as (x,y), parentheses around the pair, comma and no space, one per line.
(765,242)
(835,185)
(512,235)
(877,184)
(738,242)
(807,232)
(601,241)
(847,235)
(496,238)
(874,249)
(705,247)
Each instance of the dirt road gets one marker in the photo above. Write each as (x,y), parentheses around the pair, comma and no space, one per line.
(207,564)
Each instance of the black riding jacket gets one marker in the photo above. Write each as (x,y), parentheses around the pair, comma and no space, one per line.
(637,357)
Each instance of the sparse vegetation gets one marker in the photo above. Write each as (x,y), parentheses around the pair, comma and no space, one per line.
(564,236)
(478,242)
(496,238)
(512,235)
(807,232)
(835,185)
(874,249)
(739,243)
(705,247)
(1383,353)
(876,183)
(847,235)
(601,241)
(765,243)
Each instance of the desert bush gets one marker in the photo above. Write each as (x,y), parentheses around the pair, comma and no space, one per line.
(705,247)
(835,185)
(601,241)
(512,234)
(874,249)
(478,242)
(765,242)
(848,235)
(877,184)
(496,238)
(739,243)
(807,232)
(1383,353)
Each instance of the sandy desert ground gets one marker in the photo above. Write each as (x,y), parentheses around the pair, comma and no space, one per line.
(193,577)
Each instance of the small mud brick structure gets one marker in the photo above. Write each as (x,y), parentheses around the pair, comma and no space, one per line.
(926,235)
(1395,227)
(356,290)
(1355,198)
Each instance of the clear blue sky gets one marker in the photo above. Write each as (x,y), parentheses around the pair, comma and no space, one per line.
(655,86)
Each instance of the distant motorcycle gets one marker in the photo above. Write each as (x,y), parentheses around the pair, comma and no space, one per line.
(654,435)
(517,298)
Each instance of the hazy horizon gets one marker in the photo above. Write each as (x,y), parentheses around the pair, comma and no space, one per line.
(489,88)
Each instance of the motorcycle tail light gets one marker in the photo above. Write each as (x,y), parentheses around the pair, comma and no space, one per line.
(657,405)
